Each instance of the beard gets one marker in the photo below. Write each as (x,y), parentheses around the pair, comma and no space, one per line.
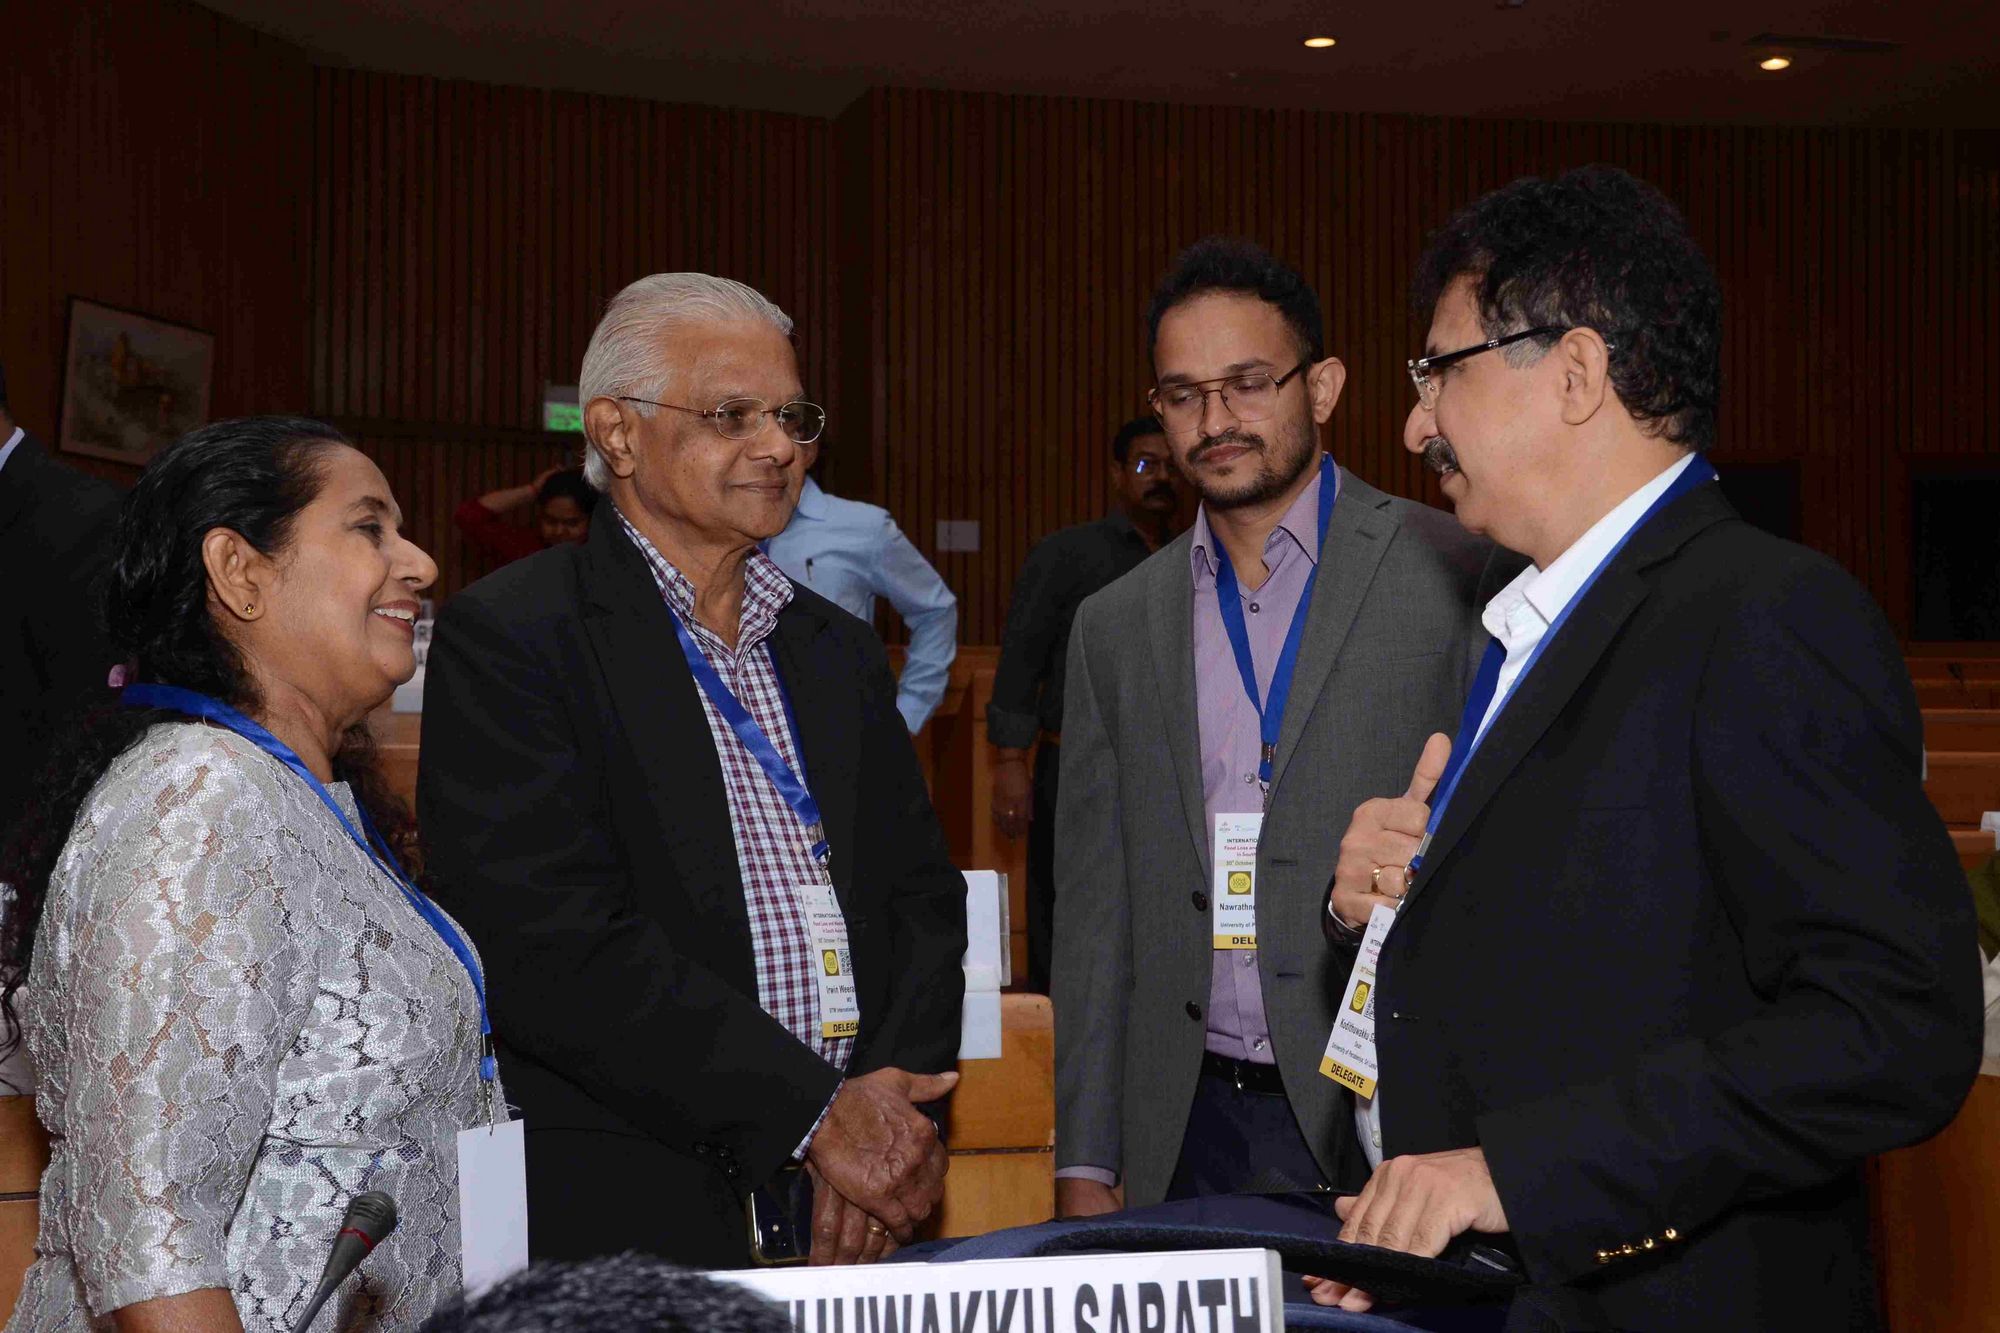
(1439,456)
(1275,469)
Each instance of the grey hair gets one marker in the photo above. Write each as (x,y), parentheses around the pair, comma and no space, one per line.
(624,356)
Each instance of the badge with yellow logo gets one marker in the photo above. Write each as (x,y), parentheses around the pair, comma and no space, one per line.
(1234,888)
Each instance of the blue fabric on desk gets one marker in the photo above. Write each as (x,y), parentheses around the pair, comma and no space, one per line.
(1446,1295)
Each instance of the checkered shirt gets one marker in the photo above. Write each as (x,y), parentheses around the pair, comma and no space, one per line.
(771,847)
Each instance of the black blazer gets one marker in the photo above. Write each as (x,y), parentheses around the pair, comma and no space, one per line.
(55,542)
(1690,943)
(574,819)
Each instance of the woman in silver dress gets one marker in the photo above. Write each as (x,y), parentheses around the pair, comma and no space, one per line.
(242,1012)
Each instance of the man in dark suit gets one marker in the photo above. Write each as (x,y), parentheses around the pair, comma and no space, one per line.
(1683,942)
(670,796)
(55,529)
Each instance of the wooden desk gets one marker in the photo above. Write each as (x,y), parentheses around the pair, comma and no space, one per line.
(1001,1128)
(1937,1224)
(1963,785)
(24,1154)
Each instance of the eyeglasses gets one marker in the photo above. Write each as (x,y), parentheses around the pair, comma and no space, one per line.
(1421,368)
(741,418)
(1250,397)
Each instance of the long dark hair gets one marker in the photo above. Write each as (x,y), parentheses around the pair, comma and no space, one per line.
(252,476)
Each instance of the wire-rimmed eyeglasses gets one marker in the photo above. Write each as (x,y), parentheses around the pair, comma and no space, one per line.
(741,418)
(1248,397)
(1422,368)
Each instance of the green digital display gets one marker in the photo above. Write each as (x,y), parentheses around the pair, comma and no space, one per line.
(567,417)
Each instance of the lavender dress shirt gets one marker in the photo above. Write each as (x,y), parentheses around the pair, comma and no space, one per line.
(1230,742)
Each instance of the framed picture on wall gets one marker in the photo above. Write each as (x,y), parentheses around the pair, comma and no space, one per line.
(131,383)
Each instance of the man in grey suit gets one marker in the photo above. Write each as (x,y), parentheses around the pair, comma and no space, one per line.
(1229,701)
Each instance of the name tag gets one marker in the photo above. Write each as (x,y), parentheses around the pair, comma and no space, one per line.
(1350,1058)
(1235,891)
(492,1202)
(833,970)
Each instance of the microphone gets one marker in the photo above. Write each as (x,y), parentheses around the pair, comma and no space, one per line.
(369,1219)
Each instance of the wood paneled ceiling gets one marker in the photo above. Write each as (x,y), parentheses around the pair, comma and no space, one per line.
(1693,62)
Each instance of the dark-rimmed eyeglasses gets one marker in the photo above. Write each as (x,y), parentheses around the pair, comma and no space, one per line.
(741,418)
(1423,369)
(1248,397)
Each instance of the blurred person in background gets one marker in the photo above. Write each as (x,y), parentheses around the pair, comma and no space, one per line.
(56,522)
(852,553)
(1025,714)
(562,501)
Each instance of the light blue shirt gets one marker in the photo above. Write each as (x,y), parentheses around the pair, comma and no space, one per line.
(7,449)
(851,553)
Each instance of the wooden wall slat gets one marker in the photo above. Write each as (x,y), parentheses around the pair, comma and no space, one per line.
(1857,266)
(177,186)
(415,257)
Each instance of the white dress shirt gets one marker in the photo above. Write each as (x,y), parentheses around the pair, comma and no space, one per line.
(1519,617)
(7,449)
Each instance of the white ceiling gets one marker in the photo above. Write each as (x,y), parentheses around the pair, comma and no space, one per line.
(1545,59)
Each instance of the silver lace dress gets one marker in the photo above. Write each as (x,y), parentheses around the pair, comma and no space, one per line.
(240,1024)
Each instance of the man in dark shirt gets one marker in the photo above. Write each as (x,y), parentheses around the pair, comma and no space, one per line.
(56,522)
(1060,572)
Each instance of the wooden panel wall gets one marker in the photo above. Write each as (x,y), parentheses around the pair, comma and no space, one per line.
(150,158)
(466,238)
(1012,244)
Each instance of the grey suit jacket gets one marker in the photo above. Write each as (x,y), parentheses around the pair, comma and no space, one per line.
(1390,645)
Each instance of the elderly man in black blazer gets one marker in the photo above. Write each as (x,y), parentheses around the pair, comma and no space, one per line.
(55,531)
(669,794)
(1673,939)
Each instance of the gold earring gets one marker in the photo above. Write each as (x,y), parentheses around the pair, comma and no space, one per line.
(248,607)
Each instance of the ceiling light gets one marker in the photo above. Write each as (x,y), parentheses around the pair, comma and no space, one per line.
(1319,43)
(1775,63)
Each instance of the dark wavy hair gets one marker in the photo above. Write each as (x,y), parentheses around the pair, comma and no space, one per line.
(1594,248)
(1231,264)
(253,477)
(622,1293)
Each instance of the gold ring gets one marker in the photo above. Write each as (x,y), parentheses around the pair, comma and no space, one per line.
(1375,879)
(874,1230)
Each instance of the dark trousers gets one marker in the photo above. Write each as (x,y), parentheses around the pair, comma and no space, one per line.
(1041,893)
(1239,1141)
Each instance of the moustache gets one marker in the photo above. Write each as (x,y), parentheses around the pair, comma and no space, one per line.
(1232,438)
(1439,456)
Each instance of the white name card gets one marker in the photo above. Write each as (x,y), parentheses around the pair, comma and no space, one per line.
(1190,1291)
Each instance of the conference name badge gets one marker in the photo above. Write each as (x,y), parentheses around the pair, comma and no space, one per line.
(1234,900)
(1350,1058)
(492,1201)
(833,963)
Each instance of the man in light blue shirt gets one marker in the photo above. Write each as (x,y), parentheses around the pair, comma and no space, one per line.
(851,553)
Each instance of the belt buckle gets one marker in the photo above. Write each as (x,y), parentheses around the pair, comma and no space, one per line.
(1236,1074)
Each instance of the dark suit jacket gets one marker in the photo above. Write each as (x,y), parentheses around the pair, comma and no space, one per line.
(1690,943)
(55,542)
(574,819)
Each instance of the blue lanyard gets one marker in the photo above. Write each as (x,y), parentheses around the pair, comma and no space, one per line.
(1693,474)
(201,705)
(752,737)
(1271,711)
